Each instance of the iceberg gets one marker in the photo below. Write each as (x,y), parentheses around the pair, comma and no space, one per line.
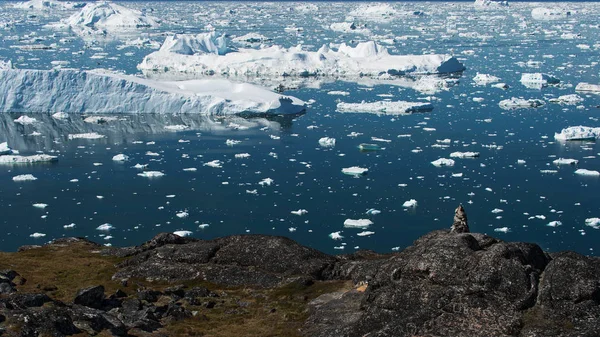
(443,162)
(484,79)
(4,149)
(578,133)
(108,15)
(593,222)
(360,223)
(464,154)
(355,171)
(327,142)
(580,86)
(183,233)
(367,59)
(538,80)
(37,158)
(73,91)
(120,157)
(565,161)
(48,4)
(571,99)
(490,3)
(349,27)
(385,107)
(410,203)
(520,103)
(151,174)
(24,177)
(585,172)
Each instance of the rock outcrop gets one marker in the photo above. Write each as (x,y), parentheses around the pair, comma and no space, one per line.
(448,283)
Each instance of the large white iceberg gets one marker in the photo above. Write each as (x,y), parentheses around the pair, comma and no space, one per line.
(520,103)
(108,15)
(185,55)
(580,87)
(578,133)
(385,107)
(538,80)
(75,91)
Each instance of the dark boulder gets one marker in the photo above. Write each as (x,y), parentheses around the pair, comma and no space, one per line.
(90,297)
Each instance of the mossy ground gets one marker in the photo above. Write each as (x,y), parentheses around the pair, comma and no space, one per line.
(60,271)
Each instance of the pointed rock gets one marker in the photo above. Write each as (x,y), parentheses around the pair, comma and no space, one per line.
(460,224)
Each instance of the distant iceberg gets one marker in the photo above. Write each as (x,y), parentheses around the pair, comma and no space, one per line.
(207,54)
(48,4)
(73,91)
(580,87)
(490,4)
(385,107)
(109,15)
(542,13)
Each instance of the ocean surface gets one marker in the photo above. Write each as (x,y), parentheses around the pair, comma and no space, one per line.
(513,190)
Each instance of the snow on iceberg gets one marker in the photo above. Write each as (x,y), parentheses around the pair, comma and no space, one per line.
(385,107)
(367,59)
(541,13)
(578,133)
(75,91)
(108,15)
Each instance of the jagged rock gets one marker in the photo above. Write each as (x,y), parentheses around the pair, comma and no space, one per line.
(177,291)
(134,315)
(7,287)
(94,321)
(176,313)
(149,295)
(90,297)
(161,239)
(49,320)
(23,301)
(460,224)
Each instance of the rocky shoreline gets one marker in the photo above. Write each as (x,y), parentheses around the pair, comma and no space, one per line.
(448,283)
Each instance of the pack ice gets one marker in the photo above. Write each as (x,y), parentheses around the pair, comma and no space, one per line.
(75,91)
(48,4)
(207,54)
(542,13)
(385,107)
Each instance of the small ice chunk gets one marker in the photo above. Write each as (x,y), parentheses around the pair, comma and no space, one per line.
(24,177)
(190,169)
(520,103)
(71,225)
(25,120)
(354,171)
(37,235)
(443,162)
(464,154)
(593,222)
(89,135)
(327,142)
(215,163)
(120,157)
(359,223)
(565,161)
(410,203)
(521,161)
(554,224)
(242,155)
(585,172)
(373,211)
(483,79)
(232,142)
(105,227)
(299,212)
(502,229)
(365,233)
(42,206)
(336,236)
(369,147)
(183,233)
(497,210)
(182,214)
(572,99)
(60,115)
(266,182)
(151,174)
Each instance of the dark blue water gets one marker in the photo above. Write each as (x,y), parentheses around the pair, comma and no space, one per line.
(306,175)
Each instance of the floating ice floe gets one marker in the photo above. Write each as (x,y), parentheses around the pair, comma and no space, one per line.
(151,174)
(242,155)
(4,149)
(215,163)
(182,214)
(105,227)
(502,229)
(40,205)
(266,182)
(75,91)
(37,235)
(60,115)
(410,203)
(443,162)
(593,222)
(327,142)
(359,223)
(373,211)
(71,225)
(585,172)
(24,177)
(369,147)
(385,107)
(299,212)
(538,80)
(365,233)
(571,99)
(484,79)
(232,142)
(25,120)
(520,103)
(120,157)
(89,135)
(542,13)
(565,161)
(336,236)
(355,171)
(48,4)
(502,86)
(183,233)
(587,87)
(464,154)
(176,128)
(207,54)
(554,223)
(349,27)
(578,133)
(17,159)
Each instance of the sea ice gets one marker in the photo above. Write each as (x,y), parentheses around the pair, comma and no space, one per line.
(89,135)
(151,174)
(105,227)
(565,161)
(585,172)
(385,107)
(556,13)
(593,222)
(359,223)
(37,235)
(75,91)
(327,142)
(17,159)
(47,5)
(120,157)
(299,212)
(578,133)
(464,154)
(336,236)
(520,103)
(24,177)
(587,87)
(443,162)
(349,27)
(410,203)
(483,4)
(354,171)
(183,233)
(365,233)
